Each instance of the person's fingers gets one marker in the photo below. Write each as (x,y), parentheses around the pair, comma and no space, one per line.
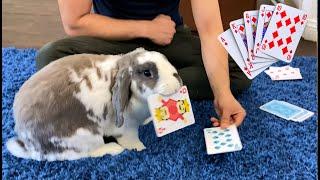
(225,120)
(239,117)
(218,112)
(216,124)
(212,119)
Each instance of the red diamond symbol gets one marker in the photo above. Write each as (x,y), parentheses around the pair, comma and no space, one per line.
(288,22)
(241,28)
(292,30)
(284,50)
(271,44)
(269,14)
(254,19)
(275,34)
(280,42)
(283,14)
(296,19)
(288,40)
(279,24)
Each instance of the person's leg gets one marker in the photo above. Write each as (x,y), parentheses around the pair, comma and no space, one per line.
(81,44)
(185,54)
(196,79)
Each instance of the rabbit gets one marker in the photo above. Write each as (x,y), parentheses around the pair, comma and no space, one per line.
(63,111)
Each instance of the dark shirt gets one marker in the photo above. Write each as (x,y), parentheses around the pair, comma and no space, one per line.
(138,9)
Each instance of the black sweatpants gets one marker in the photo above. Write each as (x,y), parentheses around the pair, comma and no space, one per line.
(184,53)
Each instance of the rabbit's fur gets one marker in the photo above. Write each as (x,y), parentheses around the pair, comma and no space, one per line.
(63,111)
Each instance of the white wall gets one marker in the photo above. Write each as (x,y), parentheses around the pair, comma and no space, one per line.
(309,6)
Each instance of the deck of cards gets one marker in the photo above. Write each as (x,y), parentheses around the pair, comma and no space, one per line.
(263,37)
(171,113)
(222,140)
(283,73)
(286,111)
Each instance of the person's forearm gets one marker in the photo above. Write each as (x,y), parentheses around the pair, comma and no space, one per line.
(108,28)
(215,60)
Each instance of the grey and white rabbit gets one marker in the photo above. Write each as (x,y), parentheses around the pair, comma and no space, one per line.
(63,111)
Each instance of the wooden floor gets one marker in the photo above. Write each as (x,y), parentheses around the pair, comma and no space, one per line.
(32,23)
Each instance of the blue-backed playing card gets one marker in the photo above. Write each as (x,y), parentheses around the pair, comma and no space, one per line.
(286,110)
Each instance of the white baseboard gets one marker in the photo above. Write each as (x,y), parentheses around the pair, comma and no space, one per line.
(311,32)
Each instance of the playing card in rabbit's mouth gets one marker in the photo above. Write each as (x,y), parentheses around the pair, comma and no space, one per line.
(171,113)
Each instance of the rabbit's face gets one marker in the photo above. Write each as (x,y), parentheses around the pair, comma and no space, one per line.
(152,73)
(141,74)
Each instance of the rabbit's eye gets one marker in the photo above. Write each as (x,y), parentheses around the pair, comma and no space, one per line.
(147,73)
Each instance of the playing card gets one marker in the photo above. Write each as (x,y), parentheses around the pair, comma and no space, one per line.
(305,114)
(222,140)
(238,31)
(284,73)
(286,110)
(171,113)
(228,42)
(251,19)
(264,17)
(284,32)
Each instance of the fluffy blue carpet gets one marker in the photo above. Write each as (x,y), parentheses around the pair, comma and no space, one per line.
(273,148)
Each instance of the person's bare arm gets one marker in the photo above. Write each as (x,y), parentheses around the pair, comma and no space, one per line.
(208,21)
(78,20)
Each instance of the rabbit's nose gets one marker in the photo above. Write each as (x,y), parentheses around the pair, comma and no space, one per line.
(168,88)
(165,89)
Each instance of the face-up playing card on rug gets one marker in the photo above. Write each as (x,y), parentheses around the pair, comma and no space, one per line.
(284,32)
(264,17)
(251,21)
(284,73)
(171,113)
(222,140)
(238,30)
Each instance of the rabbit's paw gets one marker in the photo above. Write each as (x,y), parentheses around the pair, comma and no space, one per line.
(147,121)
(110,148)
(132,145)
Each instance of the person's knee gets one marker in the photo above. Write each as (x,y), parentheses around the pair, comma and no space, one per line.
(240,85)
(246,84)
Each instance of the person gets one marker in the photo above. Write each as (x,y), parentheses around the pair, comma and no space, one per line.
(120,26)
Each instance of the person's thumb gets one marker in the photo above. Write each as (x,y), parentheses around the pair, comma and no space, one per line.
(225,119)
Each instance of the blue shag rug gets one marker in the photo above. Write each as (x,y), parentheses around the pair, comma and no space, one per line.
(273,148)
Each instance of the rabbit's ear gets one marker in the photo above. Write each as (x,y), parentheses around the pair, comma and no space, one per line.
(120,94)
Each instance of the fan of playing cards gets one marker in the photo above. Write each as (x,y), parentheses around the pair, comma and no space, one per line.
(263,37)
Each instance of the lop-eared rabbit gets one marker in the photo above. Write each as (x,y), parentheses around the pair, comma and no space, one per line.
(63,111)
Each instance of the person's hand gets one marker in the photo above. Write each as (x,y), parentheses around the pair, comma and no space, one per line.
(229,110)
(161,30)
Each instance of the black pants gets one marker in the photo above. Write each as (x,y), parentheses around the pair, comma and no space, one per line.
(184,53)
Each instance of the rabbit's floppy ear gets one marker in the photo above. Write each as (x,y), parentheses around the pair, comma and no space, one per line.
(120,94)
